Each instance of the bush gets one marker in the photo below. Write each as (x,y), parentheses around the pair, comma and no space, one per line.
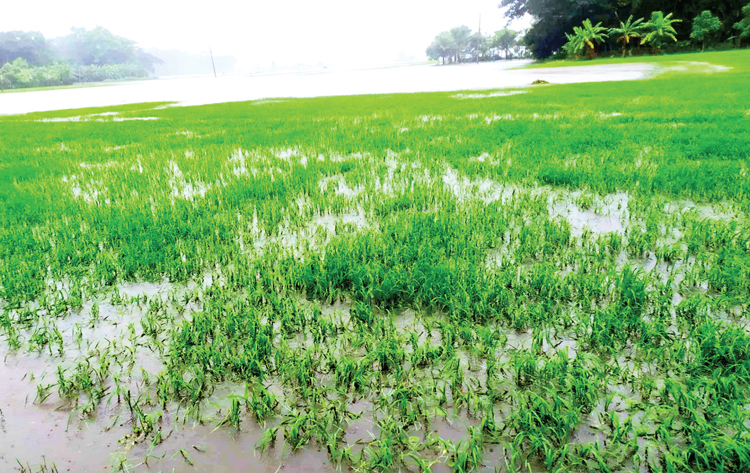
(18,74)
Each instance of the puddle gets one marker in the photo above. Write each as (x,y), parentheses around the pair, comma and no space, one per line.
(90,192)
(339,185)
(710,211)
(319,230)
(114,116)
(59,119)
(149,289)
(492,94)
(34,433)
(430,118)
(183,188)
(609,115)
(128,119)
(610,213)
(699,67)
(486,190)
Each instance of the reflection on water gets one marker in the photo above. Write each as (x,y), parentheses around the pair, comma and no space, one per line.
(206,90)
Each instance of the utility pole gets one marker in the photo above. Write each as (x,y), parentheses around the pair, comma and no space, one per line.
(212,60)
(479,36)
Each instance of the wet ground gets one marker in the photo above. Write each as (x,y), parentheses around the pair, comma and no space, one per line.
(206,90)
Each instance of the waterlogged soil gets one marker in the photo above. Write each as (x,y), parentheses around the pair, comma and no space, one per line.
(103,441)
(32,433)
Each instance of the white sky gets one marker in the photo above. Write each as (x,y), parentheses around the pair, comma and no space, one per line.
(288,32)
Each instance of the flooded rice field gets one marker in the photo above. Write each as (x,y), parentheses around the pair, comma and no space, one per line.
(468,281)
(74,385)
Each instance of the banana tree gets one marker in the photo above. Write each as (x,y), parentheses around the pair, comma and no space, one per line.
(658,29)
(593,34)
(574,44)
(627,31)
(586,38)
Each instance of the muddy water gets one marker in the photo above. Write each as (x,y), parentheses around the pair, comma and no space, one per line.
(31,433)
(52,432)
(56,432)
(206,90)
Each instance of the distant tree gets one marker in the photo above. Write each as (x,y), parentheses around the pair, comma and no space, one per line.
(505,39)
(445,44)
(705,28)
(147,60)
(461,41)
(659,29)
(16,72)
(627,31)
(30,45)
(95,47)
(433,52)
(441,47)
(480,46)
(743,26)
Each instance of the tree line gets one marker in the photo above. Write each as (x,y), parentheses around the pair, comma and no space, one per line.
(555,19)
(461,45)
(28,59)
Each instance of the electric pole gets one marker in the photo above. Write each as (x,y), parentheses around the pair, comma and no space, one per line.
(212,60)
(479,36)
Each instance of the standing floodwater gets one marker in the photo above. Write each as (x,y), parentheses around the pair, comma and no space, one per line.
(407,79)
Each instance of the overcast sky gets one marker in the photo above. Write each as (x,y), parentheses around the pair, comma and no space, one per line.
(288,32)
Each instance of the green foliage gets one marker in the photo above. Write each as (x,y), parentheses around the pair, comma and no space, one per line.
(551,18)
(743,26)
(28,60)
(18,74)
(504,40)
(626,31)
(585,38)
(659,29)
(705,28)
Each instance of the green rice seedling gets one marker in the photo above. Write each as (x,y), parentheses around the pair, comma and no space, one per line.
(541,423)
(233,417)
(262,403)
(43,467)
(185,456)
(345,371)
(585,201)
(267,440)
(297,429)
(465,457)
(43,392)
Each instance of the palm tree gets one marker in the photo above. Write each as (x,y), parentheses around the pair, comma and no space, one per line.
(659,28)
(627,31)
